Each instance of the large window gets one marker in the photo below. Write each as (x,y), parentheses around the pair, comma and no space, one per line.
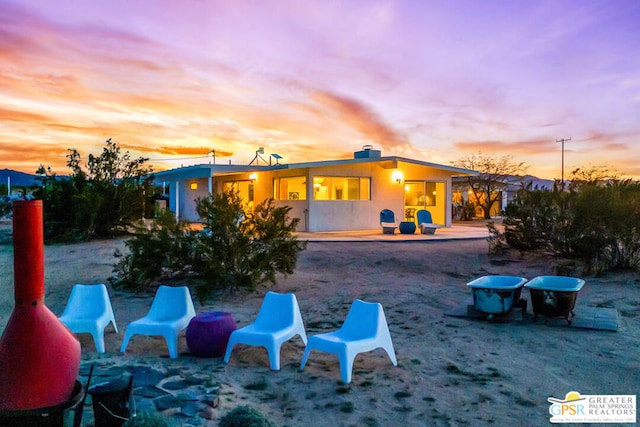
(341,188)
(290,188)
(420,193)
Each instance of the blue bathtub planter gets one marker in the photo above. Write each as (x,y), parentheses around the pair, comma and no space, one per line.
(554,296)
(496,294)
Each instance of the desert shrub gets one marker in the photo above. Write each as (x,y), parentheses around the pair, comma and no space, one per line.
(100,199)
(530,218)
(612,214)
(594,221)
(165,247)
(497,242)
(244,416)
(5,206)
(233,251)
(237,251)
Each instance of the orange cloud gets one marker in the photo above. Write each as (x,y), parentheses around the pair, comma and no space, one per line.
(361,118)
(182,150)
(22,116)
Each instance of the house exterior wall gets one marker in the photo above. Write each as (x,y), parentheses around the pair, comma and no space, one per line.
(336,215)
(340,215)
(188,196)
(319,215)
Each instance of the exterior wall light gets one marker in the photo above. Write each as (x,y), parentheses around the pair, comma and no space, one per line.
(397,177)
(253,176)
(194,186)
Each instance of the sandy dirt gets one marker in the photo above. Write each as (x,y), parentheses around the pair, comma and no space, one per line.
(451,371)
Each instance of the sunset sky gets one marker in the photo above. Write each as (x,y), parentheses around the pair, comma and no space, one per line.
(172,80)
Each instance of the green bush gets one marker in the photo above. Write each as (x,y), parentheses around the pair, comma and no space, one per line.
(165,248)
(595,221)
(530,218)
(233,251)
(244,416)
(102,199)
(236,250)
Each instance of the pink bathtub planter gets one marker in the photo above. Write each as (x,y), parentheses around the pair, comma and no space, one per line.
(496,294)
(554,296)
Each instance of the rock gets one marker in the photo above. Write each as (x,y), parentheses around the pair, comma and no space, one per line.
(212,400)
(150,391)
(189,409)
(208,412)
(166,402)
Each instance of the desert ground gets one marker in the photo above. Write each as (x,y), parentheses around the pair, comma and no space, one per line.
(451,370)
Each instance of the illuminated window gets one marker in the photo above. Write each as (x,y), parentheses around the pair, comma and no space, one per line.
(420,194)
(290,188)
(341,188)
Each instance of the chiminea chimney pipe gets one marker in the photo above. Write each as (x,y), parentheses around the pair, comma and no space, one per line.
(39,357)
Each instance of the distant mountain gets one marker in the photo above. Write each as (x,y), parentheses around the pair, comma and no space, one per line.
(18,179)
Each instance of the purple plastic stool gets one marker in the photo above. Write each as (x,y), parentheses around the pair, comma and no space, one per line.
(208,333)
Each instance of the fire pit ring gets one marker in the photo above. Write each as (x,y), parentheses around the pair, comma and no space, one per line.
(49,416)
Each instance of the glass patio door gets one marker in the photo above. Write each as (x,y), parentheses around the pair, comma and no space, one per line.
(429,195)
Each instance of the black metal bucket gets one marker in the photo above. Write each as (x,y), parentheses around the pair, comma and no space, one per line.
(50,416)
(112,402)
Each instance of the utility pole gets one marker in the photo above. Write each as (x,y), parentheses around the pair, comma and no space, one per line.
(563,140)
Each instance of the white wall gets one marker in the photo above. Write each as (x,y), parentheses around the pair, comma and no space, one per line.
(187,196)
(357,214)
(328,215)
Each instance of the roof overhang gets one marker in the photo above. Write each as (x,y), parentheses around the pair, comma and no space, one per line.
(208,170)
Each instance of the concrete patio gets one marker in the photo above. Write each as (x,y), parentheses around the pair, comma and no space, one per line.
(457,232)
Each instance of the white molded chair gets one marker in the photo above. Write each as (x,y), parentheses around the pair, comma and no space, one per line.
(89,310)
(170,312)
(364,329)
(278,320)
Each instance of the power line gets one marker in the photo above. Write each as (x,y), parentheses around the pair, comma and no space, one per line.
(179,158)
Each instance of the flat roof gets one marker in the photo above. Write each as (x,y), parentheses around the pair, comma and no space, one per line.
(213,169)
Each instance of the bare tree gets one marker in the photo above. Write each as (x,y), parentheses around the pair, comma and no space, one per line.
(496,174)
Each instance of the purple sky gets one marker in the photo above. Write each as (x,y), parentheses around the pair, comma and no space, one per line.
(316,80)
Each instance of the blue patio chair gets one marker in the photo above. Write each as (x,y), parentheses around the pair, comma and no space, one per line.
(388,221)
(425,222)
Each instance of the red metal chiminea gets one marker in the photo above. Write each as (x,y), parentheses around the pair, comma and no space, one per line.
(39,357)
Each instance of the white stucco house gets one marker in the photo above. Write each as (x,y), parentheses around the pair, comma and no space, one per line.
(331,195)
